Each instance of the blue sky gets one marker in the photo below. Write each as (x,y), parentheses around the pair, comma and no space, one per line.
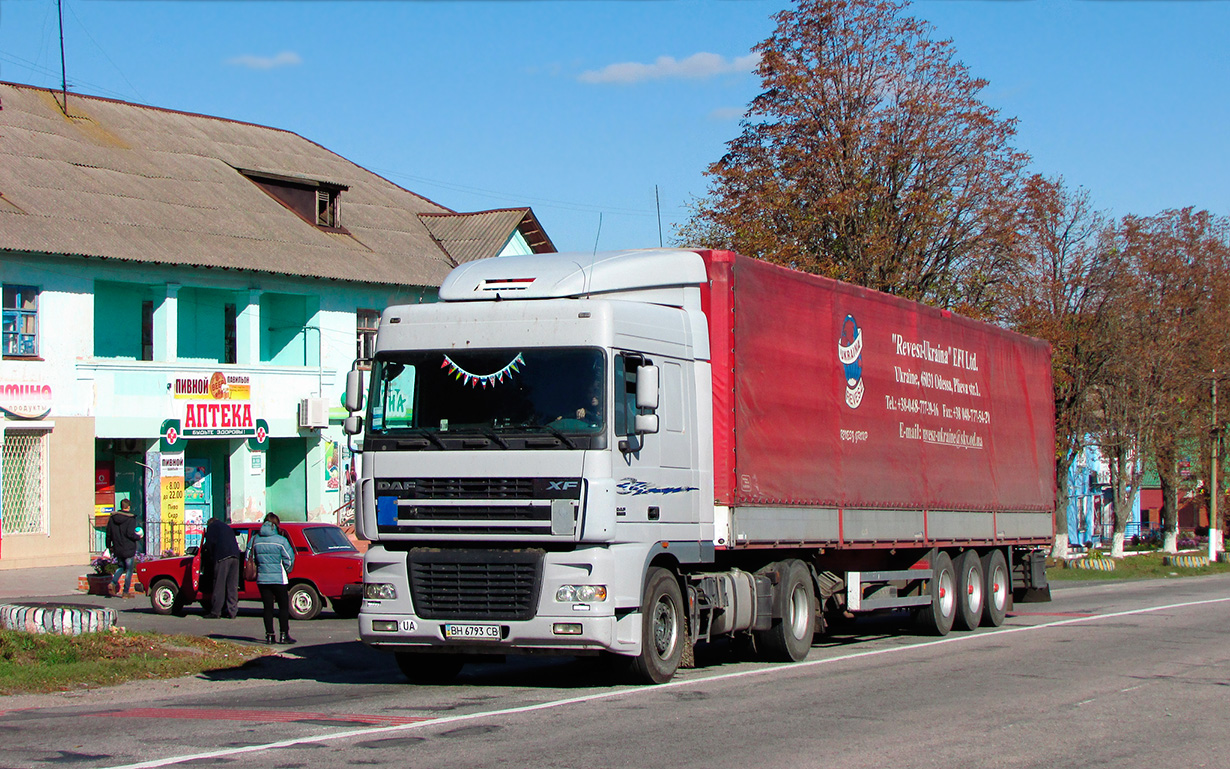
(579,108)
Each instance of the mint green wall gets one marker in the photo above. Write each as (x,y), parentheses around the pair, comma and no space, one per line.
(202,327)
(284,339)
(117,319)
(286,478)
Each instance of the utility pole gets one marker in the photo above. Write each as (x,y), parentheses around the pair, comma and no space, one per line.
(1214,524)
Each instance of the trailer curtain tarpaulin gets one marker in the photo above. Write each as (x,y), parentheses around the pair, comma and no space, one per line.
(832,395)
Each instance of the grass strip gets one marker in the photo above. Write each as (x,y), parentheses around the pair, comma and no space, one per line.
(35,663)
(1141,566)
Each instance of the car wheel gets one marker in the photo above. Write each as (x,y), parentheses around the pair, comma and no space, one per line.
(304,601)
(164,596)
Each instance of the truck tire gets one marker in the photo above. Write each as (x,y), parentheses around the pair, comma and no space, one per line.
(429,668)
(164,596)
(997,582)
(789,638)
(663,629)
(304,601)
(937,618)
(971,590)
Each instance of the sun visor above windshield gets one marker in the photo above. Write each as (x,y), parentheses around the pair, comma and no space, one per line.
(548,276)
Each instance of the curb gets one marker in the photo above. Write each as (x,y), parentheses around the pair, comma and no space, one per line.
(60,619)
(1090,564)
(1187,561)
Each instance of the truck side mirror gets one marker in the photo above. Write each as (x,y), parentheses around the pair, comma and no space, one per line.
(646,389)
(646,423)
(354,391)
(352,425)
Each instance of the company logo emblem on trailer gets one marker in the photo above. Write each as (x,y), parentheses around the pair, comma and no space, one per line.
(850,353)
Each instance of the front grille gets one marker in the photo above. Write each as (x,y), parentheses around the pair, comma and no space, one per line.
(475,513)
(474,584)
(474,488)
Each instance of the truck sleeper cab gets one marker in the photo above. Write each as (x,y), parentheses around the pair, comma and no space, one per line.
(568,454)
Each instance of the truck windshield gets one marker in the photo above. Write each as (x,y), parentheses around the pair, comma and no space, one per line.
(499,391)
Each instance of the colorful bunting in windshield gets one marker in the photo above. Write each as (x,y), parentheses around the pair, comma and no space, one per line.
(474,380)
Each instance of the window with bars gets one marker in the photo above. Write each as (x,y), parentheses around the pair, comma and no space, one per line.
(20,321)
(366,322)
(23,484)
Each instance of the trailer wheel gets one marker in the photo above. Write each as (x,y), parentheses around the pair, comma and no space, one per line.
(429,668)
(971,590)
(789,638)
(937,618)
(998,586)
(663,629)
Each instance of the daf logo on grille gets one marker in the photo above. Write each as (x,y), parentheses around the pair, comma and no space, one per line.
(562,485)
(395,485)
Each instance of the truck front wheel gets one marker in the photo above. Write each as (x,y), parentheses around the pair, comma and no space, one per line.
(937,617)
(789,638)
(663,628)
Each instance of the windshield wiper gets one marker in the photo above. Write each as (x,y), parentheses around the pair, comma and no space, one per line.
(494,436)
(563,438)
(422,433)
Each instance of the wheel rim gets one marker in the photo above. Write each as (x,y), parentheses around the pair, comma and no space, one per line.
(164,597)
(665,629)
(301,601)
(948,596)
(798,612)
(973,584)
(999,587)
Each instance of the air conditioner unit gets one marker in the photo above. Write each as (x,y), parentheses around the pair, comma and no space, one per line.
(313,413)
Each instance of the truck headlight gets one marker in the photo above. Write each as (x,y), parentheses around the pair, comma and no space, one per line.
(581,593)
(377,591)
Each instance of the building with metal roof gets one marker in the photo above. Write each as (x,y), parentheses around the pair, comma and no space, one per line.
(173,272)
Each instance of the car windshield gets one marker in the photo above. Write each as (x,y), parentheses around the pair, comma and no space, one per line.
(498,391)
(328,539)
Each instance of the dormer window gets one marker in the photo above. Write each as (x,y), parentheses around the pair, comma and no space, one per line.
(326,208)
(317,202)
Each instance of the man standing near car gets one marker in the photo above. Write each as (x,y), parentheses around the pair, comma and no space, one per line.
(222,549)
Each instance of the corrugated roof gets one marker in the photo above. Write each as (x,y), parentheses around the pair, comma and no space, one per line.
(126,181)
(467,236)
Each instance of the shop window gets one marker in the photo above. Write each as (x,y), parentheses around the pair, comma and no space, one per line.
(23,482)
(20,321)
(366,322)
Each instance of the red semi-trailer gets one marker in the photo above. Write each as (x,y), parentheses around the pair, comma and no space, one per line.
(635,452)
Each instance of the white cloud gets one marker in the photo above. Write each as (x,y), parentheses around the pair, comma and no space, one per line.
(283,59)
(695,67)
(727,113)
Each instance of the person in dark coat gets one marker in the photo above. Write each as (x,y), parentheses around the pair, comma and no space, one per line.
(221,551)
(274,559)
(122,538)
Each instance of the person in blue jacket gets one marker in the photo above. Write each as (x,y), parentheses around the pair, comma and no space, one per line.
(274,559)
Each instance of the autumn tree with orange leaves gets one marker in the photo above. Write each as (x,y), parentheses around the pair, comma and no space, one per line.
(868,157)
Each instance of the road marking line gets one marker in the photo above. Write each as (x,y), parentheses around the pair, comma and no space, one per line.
(632,691)
(222,714)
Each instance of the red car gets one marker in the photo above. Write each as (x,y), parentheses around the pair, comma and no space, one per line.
(327,566)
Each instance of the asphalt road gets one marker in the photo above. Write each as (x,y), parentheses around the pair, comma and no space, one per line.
(1132,674)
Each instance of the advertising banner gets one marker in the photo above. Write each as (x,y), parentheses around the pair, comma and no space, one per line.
(171,471)
(829,394)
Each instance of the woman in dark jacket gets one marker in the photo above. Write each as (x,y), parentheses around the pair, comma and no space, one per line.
(274,559)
